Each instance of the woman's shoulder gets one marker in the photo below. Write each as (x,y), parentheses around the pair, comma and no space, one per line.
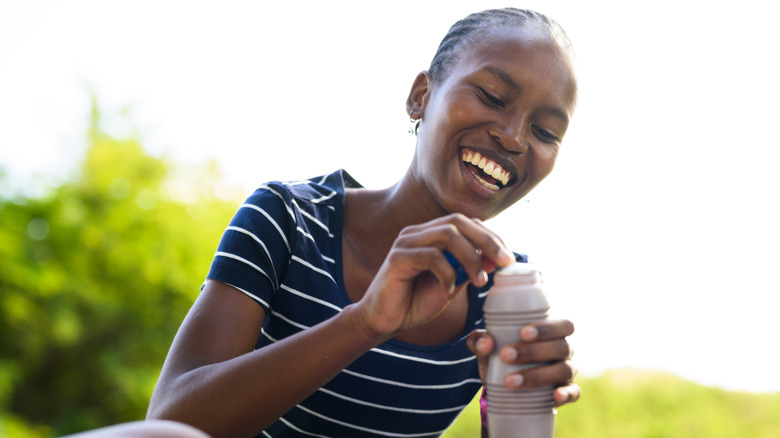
(320,188)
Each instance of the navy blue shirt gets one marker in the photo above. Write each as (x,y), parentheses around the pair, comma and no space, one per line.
(283,249)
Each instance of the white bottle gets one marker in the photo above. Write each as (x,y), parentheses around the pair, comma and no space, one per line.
(515,300)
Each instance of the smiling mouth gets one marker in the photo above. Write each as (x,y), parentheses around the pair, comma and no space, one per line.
(487,172)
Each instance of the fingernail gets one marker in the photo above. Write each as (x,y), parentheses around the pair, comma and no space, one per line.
(482,345)
(506,257)
(529,333)
(508,354)
(514,381)
(560,397)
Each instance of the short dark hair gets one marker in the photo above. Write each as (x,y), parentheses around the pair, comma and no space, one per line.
(466,29)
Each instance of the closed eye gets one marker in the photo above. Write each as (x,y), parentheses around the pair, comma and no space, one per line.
(491,99)
(545,135)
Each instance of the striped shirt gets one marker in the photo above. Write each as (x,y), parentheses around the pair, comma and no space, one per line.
(283,249)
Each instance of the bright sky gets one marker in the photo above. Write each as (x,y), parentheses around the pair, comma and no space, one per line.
(657,232)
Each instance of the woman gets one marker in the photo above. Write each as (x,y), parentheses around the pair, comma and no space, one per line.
(332,310)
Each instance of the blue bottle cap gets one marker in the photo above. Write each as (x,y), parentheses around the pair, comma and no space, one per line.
(461,276)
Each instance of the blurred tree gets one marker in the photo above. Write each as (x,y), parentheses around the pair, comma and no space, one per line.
(95,279)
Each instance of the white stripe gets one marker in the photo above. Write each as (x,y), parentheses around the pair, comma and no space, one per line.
(365,429)
(250,295)
(242,260)
(310,298)
(392,382)
(299,430)
(310,237)
(265,333)
(313,219)
(419,359)
(410,385)
(268,254)
(288,320)
(305,234)
(483,294)
(312,267)
(279,195)
(270,219)
(303,182)
(323,198)
(391,408)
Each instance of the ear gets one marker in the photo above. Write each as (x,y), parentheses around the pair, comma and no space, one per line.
(418,95)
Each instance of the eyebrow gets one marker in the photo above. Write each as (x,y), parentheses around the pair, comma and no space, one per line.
(504,76)
(507,79)
(556,112)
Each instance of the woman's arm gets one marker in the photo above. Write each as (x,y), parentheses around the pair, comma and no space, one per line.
(214,380)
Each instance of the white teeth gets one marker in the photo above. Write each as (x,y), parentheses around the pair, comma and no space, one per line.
(489,167)
(487,184)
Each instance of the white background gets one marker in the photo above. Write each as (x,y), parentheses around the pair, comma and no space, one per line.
(657,232)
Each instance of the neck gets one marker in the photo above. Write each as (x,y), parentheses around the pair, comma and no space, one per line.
(374,218)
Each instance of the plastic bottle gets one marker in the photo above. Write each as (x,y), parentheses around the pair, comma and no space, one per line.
(515,300)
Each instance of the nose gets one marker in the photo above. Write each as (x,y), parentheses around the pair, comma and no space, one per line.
(511,136)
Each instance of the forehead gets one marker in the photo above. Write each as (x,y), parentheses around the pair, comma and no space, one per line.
(529,55)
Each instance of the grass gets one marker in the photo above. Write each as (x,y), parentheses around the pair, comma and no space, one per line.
(617,404)
(646,404)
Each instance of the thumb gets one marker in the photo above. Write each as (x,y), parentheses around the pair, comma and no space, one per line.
(481,344)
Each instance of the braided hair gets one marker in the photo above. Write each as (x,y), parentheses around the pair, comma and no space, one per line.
(479,23)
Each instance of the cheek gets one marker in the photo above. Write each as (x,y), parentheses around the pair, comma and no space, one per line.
(458,115)
(544,160)
(455,110)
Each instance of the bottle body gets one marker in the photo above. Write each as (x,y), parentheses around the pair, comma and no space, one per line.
(515,300)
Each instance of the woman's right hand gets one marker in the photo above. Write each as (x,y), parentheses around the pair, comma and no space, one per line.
(416,281)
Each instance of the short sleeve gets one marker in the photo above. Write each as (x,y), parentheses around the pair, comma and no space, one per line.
(254,251)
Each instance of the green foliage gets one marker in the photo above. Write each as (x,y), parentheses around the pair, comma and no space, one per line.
(643,404)
(95,280)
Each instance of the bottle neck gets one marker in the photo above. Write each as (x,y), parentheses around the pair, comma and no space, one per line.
(501,279)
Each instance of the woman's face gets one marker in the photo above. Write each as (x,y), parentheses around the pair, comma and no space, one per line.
(492,127)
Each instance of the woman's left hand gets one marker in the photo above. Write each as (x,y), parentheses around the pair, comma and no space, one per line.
(543,342)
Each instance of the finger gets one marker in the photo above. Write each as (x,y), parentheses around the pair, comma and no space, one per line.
(426,259)
(469,266)
(537,352)
(461,276)
(476,250)
(479,237)
(566,394)
(556,374)
(546,330)
(481,344)
(462,255)
(490,245)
